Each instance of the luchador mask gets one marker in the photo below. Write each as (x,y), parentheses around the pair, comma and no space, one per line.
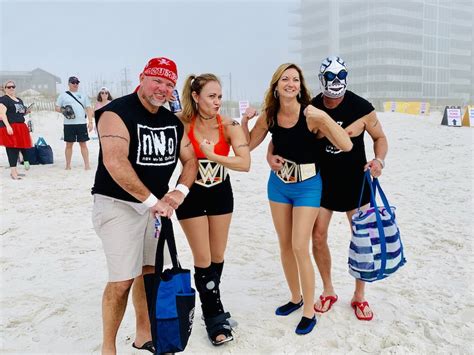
(333,77)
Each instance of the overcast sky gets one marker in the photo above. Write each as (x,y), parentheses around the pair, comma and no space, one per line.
(96,40)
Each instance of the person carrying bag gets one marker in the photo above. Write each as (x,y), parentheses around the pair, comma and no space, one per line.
(170,297)
(376,249)
(72,115)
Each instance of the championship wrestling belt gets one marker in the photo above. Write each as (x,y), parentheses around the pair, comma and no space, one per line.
(210,173)
(292,172)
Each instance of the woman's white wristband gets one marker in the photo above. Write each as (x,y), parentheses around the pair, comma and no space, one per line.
(150,201)
(183,188)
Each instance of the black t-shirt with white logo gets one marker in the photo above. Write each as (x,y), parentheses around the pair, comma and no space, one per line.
(342,172)
(16,110)
(153,150)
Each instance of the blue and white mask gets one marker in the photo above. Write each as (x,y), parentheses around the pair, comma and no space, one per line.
(333,77)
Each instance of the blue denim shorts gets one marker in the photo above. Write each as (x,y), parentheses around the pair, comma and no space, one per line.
(299,194)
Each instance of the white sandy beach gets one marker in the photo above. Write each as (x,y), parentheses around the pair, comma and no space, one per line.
(53,269)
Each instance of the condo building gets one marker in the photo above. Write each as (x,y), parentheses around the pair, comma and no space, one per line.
(417,50)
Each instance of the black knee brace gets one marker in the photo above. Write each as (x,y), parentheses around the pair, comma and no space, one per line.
(207,283)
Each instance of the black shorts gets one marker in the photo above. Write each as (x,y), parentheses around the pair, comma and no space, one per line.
(76,133)
(343,195)
(207,201)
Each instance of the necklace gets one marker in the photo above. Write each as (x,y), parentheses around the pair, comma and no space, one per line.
(205,118)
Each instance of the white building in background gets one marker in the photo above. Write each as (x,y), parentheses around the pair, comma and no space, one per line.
(417,50)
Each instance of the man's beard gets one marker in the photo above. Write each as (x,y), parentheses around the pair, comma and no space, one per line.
(154,102)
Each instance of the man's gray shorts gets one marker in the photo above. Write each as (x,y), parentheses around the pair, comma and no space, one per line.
(127,231)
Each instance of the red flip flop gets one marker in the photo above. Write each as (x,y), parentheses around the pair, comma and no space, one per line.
(330,299)
(361,306)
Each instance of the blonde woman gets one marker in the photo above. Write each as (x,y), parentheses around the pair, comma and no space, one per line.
(14,133)
(206,213)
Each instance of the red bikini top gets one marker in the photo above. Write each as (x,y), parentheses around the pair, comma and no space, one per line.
(221,147)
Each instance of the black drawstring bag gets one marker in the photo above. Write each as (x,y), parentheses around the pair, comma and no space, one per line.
(170,298)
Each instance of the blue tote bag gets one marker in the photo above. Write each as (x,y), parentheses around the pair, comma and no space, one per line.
(376,249)
(31,156)
(170,298)
(44,152)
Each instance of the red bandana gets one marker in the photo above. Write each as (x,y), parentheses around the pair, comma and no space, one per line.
(163,68)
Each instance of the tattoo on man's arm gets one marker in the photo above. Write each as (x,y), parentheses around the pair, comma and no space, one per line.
(376,123)
(188,144)
(235,123)
(113,136)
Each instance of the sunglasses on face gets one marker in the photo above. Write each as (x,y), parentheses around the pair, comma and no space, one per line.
(10,87)
(104,93)
(74,82)
(329,76)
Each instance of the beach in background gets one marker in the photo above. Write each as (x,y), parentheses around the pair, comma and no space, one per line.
(53,268)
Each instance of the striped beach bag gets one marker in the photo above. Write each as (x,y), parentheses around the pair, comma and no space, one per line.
(376,250)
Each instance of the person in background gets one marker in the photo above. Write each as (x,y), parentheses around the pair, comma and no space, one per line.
(103,98)
(342,172)
(294,191)
(77,111)
(14,133)
(140,144)
(206,213)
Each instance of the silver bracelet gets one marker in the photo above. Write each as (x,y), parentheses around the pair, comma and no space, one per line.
(381,161)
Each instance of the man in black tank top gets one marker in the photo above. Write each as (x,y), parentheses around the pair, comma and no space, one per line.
(140,144)
(342,173)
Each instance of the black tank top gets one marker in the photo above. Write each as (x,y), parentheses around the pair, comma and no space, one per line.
(296,143)
(348,111)
(15,110)
(153,150)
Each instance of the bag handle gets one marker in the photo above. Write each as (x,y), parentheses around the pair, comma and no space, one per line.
(75,98)
(41,141)
(387,207)
(80,103)
(167,235)
(362,190)
(386,204)
(172,245)
(373,185)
